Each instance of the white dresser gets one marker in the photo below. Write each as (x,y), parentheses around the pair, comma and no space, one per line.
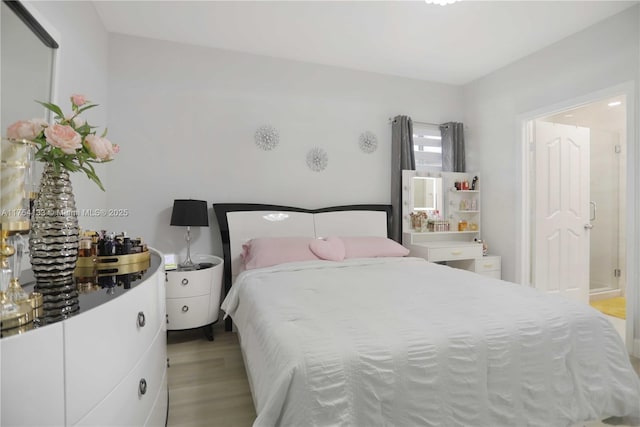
(104,366)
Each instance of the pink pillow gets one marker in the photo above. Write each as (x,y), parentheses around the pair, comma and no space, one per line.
(268,251)
(371,247)
(331,248)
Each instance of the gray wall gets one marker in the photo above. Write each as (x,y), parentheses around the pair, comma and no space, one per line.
(186,118)
(602,56)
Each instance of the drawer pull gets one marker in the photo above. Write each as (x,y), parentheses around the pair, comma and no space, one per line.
(141,319)
(142,387)
(185,282)
(185,308)
(488,265)
(456,252)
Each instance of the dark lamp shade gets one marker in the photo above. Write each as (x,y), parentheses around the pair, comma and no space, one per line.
(189,212)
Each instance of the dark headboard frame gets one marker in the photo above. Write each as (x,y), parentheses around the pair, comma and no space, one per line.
(221,210)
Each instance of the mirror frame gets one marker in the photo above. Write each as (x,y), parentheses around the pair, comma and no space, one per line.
(32,23)
(47,34)
(407,196)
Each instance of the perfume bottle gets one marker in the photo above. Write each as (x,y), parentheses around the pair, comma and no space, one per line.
(84,249)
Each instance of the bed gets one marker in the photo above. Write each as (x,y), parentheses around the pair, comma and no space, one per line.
(393,340)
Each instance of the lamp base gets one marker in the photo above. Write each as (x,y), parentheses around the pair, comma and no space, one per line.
(187,266)
(182,267)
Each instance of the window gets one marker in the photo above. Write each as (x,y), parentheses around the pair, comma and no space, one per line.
(427,147)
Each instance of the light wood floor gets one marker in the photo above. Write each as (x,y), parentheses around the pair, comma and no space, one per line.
(208,384)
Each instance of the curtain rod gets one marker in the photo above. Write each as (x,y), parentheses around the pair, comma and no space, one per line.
(420,123)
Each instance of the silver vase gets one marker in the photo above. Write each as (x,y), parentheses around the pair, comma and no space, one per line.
(53,244)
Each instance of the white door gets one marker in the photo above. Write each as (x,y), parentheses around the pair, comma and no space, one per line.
(561,229)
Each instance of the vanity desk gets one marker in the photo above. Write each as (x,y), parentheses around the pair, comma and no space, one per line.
(442,251)
(448,204)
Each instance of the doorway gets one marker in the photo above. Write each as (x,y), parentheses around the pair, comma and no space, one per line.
(577,197)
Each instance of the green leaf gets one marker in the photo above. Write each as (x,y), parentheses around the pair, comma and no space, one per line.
(52,107)
(84,130)
(92,175)
(86,108)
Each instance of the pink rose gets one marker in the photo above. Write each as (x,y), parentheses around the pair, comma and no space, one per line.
(77,120)
(100,147)
(64,137)
(116,148)
(23,129)
(78,100)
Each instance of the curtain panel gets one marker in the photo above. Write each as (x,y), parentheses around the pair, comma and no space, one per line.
(402,158)
(453,155)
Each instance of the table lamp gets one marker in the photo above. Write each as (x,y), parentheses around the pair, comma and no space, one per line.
(189,213)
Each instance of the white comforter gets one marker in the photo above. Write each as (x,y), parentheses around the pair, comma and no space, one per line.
(404,342)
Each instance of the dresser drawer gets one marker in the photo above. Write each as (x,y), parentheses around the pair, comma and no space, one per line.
(182,284)
(487,263)
(187,313)
(454,252)
(496,274)
(130,403)
(105,343)
(32,378)
(158,415)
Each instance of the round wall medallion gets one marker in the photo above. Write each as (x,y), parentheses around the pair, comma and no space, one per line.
(368,142)
(317,159)
(267,138)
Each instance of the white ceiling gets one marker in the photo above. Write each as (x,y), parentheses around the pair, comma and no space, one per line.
(452,44)
(596,115)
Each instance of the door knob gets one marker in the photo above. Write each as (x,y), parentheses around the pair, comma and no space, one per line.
(588,226)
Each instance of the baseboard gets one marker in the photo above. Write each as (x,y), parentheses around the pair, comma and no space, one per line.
(635,348)
(604,294)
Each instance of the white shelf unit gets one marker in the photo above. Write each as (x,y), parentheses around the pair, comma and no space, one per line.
(458,203)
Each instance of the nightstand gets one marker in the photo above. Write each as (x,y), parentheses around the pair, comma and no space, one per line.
(193,297)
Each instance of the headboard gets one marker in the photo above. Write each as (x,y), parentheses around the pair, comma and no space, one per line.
(241,222)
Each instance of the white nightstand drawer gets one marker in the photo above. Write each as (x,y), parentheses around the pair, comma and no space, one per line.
(454,252)
(182,284)
(184,313)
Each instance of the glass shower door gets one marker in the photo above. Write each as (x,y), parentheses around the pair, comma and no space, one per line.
(605,207)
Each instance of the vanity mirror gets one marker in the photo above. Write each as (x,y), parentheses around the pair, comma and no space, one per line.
(422,194)
(426,193)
